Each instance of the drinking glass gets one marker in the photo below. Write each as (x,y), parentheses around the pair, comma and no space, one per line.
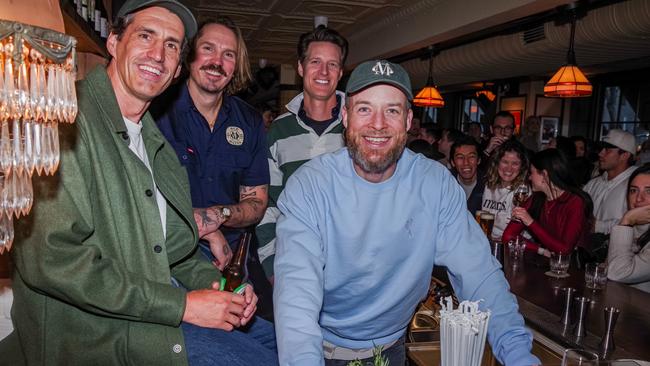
(579,357)
(477,215)
(596,275)
(559,263)
(520,195)
(516,249)
(487,223)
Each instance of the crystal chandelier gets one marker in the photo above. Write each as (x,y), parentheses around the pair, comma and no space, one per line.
(37,92)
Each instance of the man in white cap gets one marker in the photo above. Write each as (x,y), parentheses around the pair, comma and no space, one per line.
(608,191)
(360,230)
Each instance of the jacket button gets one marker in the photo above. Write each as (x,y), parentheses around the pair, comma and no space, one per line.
(157,248)
(177,348)
(148,192)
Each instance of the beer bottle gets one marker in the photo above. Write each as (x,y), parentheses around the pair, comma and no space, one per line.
(235,273)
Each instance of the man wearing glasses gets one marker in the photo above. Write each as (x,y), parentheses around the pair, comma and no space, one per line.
(502,128)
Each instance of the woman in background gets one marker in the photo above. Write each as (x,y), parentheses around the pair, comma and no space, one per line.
(559,214)
(629,253)
(507,169)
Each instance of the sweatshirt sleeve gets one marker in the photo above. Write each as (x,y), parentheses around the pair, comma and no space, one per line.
(299,268)
(623,264)
(478,276)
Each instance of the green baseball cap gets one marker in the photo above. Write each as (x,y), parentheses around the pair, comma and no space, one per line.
(379,72)
(186,16)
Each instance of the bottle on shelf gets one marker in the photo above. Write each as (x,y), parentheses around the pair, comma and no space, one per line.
(103,30)
(84,10)
(99,10)
(78,6)
(236,273)
(91,13)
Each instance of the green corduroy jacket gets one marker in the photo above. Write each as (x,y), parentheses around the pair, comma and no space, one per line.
(92,284)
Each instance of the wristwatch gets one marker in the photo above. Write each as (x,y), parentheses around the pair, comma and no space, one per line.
(225,211)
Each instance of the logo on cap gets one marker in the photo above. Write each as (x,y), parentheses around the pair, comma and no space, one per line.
(382,69)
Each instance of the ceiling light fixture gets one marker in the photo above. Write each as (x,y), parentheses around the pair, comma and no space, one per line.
(429,96)
(320,20)
(569,81)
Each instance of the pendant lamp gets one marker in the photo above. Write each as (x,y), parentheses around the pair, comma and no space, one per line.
(569,81)
(429,96)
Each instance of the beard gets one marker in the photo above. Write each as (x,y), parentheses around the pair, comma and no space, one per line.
(208,85)
(374,161)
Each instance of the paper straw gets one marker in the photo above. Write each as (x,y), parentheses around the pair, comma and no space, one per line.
(462,333)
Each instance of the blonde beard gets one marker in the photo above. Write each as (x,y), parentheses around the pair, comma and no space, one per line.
(362,160)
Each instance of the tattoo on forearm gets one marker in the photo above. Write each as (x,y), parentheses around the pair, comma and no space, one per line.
(217,212)
(226,249)
(246,192)
(205,219)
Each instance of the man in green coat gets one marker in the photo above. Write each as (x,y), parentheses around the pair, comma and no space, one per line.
(95,260)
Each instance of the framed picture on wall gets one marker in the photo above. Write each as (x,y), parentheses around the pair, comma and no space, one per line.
(549,128)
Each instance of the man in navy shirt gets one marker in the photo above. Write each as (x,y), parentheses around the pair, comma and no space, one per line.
(219,138)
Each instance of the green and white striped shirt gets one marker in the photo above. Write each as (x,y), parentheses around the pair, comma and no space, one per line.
(291,143)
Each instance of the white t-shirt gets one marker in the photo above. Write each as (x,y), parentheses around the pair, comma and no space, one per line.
(499,203)
(136,144)
(610,199)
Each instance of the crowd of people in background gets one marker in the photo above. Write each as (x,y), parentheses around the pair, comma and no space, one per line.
(128,244)
(588,198)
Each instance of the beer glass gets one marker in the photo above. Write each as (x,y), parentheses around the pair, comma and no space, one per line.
(477,215)
(487,223)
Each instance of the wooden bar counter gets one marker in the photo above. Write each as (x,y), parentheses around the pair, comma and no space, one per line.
(540,302)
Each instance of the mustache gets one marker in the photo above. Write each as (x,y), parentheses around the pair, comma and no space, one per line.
(214,67)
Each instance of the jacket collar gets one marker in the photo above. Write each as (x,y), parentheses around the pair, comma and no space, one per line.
(102,89)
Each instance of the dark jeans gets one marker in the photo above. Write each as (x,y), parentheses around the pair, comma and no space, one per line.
(396,356)
(253,345)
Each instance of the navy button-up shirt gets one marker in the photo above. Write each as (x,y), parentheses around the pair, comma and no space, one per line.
(218,162)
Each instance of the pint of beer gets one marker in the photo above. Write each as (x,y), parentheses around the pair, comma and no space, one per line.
(487,223)
(477,215)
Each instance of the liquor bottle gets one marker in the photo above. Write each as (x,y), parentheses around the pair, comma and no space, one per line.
(99,10)
(103,32)
(84,10)
(78,6)
(236,273)
(91,13)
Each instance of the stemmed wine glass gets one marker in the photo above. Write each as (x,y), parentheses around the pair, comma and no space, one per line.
(521,194)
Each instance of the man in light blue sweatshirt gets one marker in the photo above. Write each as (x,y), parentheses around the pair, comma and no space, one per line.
(360,231)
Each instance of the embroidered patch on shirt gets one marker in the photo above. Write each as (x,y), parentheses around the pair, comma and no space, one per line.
(234,136)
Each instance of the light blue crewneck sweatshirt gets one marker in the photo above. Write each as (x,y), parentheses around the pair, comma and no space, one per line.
(354,258)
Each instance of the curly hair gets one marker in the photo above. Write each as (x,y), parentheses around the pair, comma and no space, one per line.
(493,179)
